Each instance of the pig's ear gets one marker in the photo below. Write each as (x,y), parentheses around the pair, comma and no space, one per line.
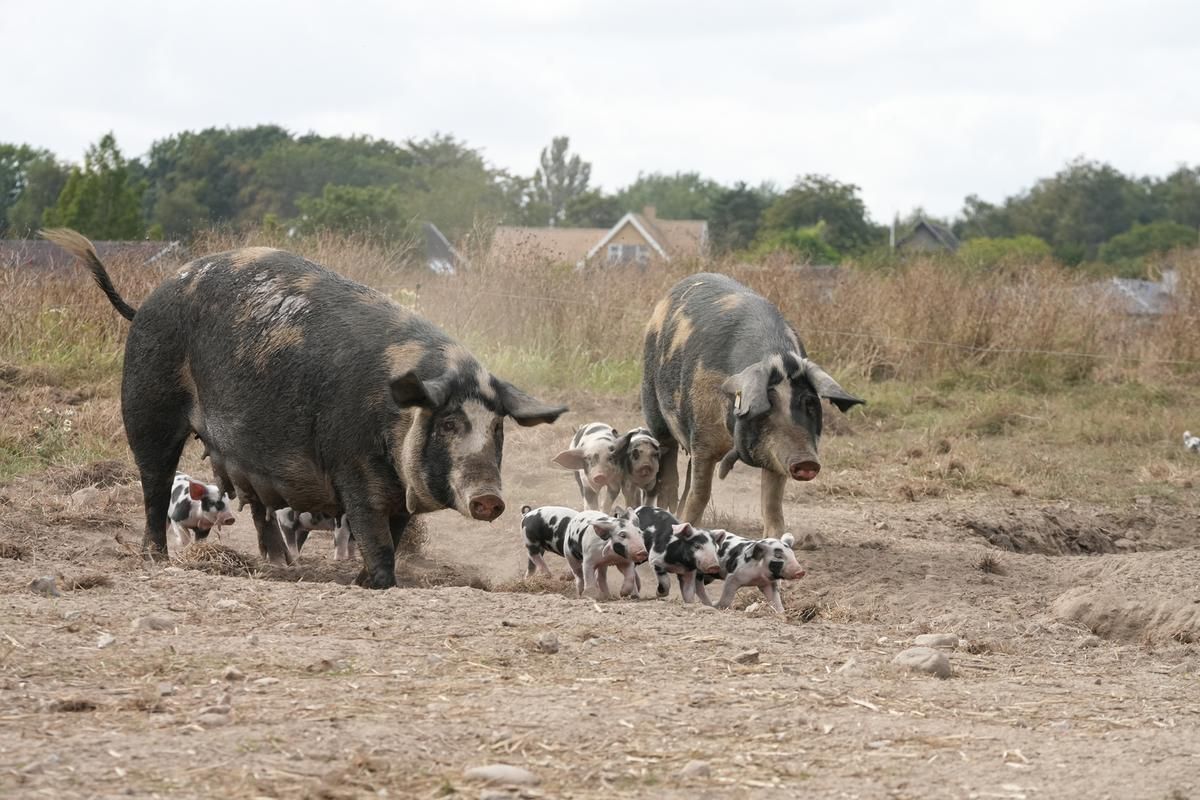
(570,459)
(826,387)
(788,540)
(683,530)
(603,529)
(525,410)
(408,390)
(622,444)
(749,390)
(196,490)
(718,535)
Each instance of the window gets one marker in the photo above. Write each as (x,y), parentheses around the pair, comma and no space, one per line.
(628,253)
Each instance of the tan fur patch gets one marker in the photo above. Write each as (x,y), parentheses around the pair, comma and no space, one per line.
(188,382)
(710,437)
(305,283)
(654,326)
(274,340)
(402,358)
(458,358)
(729,302)
(407,440)
(243,258)
(681,334)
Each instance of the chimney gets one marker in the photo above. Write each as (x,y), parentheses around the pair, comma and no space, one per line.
(650,213)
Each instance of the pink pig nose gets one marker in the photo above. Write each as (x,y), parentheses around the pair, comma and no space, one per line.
(795,572)
(600,480)
(804,470)
(486,507)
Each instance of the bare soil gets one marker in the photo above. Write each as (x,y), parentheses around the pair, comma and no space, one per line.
(1075,674)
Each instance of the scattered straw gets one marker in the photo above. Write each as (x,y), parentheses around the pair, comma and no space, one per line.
(217,559)
(13,551)
(90,580)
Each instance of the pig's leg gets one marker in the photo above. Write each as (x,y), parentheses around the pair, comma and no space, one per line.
(631,494)
(776,598)
(631,586)
(664,580)
(287,529)
(397,525)
(610,498)
(598,585)
(536,563)
(668,475)
(772,503)
(577,571)
(271,543)
(701,476)
(341,541)
(375,534)
(701,592)
(728,593)
(687,587)
(591,499)
(182,537)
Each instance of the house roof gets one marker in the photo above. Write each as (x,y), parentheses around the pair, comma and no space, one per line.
(941,235)
(43,255)
(545,244)
(440,255)
(670,238)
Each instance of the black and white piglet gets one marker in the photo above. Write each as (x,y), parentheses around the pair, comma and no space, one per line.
(545,530)
(196,508)
(764,563)
(595,541)
(680,549)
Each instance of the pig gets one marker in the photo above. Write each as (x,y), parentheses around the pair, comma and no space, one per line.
(592,457)
(196,508)
(679,548)
(295,528)
(637,456)
(764,563)
(595,541)
(1191,442)
(723,374)
(311,391)
(545,529)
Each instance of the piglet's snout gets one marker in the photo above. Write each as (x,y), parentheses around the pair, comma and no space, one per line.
(793,570)
(707,564)
(637,551)
(487,506)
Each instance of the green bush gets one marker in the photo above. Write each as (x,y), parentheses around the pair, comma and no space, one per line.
(986,252)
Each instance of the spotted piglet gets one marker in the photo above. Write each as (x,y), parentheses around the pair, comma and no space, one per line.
(680,549)
(637,454)
(596,541)
(764,563)
(545,529)
(296,527)
(592,457)
(195,509)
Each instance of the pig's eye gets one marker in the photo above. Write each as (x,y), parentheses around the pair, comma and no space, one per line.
(449,425)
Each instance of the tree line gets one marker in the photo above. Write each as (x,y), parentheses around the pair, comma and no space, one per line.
(1088,213)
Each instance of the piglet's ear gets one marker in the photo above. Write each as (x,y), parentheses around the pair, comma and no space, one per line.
(718,535)
(570,459)
(788,540)
(683,530)
(196,490)
(603,530)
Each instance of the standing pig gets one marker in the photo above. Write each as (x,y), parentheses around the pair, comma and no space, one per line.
(196,508)
(764,563)
(596,541)
(725,373)
(592,457)
(677,547)
(545,528)
(637,454)
(295,528)
(308,391)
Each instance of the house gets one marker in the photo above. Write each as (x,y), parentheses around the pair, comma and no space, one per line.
(1140,298)
(440,255)
(44,256)
(637,238)
(926,237)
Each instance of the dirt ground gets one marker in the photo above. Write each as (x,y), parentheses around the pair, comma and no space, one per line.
(1075,673)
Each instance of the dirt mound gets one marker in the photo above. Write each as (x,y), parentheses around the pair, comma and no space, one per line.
(1062,532)
(1139,598)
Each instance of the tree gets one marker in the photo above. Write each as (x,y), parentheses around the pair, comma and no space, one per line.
(817,198)
(735,217)
(355,209)
(683,195)
(1140,241)
(559,179)
(451,185)
(986,252)
(808,245)
(1177,197)
(99,200)
(40,180)
(593,209)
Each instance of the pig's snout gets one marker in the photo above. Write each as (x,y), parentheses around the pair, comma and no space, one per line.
(599,480)
(803,470)
(792,572)
(486,507)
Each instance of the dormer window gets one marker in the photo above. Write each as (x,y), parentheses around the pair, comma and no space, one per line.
(628,253)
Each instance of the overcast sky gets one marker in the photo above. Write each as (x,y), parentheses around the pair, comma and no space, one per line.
(918,103)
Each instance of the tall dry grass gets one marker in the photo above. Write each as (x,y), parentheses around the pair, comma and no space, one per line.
(551,326)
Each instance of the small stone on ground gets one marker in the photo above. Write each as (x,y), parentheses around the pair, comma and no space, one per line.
(924,659)
(949,640)
(501,774)
(695,769)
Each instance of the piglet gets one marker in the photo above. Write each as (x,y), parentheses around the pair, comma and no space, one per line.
(195,509)
(680,549)
(596,541)
(764,563)
(296,527)
(545,529)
